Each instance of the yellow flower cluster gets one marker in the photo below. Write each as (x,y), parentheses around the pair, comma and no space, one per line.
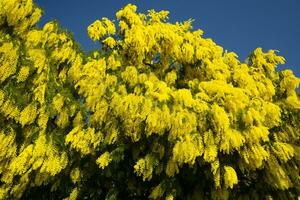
(34,37)
(215,169)
(187,150)
(219,118)
(172,168)
(169,197)
(104,160)
(231,140)
(83,140)
(28,14)
(289,82)
(230,177)
(283,151)
(9,109)
(63,118)
(171,78)
(157,90)
(110,42)
(254,134)
(23,74)
(96,30)
(43,119)
(8,149)
(130,75)
(73,194)
(210,147)
(280,176)
(113,61)
(158,121)
(66,53)
(266,61)
(129,14)
(75,175)
(58,102)
(144,167)
(8,60)
(31,153)
(183,97)
(92,84)
(133,109)
(157,192)
(28,114)
(41,156)
(254,156)
(101,28)
(39,59)
(2,96)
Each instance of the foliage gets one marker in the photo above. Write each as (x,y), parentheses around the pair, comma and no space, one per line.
(157,112)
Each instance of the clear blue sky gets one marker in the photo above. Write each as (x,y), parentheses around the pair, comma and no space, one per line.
(236,25)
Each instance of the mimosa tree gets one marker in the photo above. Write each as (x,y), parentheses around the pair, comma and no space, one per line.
(156,112)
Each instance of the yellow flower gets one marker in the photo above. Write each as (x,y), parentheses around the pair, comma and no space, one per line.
(39,59)
(23,74)
(8,60)
(169,197)
(171,78)
(104,160)
(58,102)
(230,177)
(157,192)
(110,42)
(43,119)
(73,194)
(2,96)
(83,140)
(28,115)
(96,30)
(75,175)
(220,118)
(144,167)
(63,118)
(283,151)
(187,150)
(172,168)
(130,75)
(187,52)
(231,139)
(109,25)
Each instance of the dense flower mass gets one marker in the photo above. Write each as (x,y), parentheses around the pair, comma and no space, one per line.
(156,112)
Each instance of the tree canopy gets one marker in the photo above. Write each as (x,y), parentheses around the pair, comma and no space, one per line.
(158,112)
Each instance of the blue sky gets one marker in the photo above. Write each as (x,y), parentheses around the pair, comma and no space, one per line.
(236,25)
